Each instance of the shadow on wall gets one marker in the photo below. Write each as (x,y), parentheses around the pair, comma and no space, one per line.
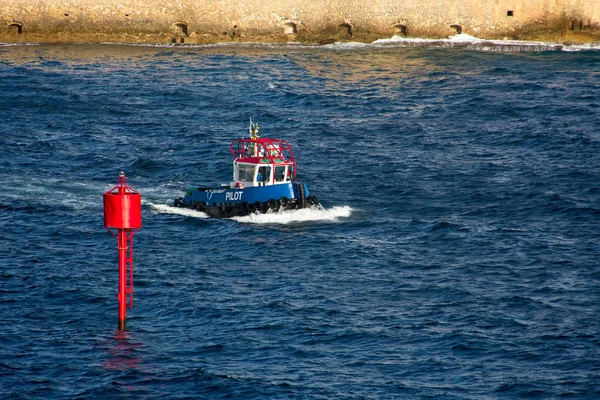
(290,28)
(180,28)
(458,28)
(345,29)
(180,31)
(401,29)
(15,27)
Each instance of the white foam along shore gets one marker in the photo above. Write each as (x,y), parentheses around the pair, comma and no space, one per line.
(467,41)
(457,41)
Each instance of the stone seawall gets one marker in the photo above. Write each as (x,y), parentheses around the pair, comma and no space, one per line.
(284,20)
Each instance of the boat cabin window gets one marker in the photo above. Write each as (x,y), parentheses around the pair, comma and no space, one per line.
(246,172)
(279,174)
(263,176)
(290,174)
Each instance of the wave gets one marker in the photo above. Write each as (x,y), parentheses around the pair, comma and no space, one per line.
(474,43)
(346,45)
(583,47)
(4,44)
(295,216)
(286,217)
(215,45)
(186,212)
(459,41)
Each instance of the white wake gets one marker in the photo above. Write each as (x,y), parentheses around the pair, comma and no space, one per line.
(186,212)
(295,216)
(285,217)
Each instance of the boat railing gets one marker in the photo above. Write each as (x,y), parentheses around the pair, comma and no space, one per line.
(277,151)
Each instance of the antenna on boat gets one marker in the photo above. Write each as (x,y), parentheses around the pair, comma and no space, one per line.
(253,130)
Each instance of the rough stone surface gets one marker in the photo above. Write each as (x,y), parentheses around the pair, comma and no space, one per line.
(215,20)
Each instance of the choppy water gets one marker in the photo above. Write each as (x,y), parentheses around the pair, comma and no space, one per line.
(456,257)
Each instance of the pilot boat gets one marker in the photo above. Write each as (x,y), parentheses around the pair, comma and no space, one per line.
(264,181)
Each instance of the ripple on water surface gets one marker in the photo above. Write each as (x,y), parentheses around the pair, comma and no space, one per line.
(456,254)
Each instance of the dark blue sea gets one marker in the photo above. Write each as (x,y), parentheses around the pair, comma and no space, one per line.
(457,255)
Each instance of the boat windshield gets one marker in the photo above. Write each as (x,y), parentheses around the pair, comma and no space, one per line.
(279,173)
(246,172)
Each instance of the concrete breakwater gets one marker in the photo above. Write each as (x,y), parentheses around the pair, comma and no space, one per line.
(193,21)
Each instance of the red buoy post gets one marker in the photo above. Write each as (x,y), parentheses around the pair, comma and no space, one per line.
(123,212)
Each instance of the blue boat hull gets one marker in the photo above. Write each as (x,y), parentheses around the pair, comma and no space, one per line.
(226,203)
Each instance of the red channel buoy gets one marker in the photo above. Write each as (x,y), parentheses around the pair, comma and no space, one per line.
(123,212)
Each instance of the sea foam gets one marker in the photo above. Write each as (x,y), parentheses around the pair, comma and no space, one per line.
(186,212)
(285,217)
(296,216)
